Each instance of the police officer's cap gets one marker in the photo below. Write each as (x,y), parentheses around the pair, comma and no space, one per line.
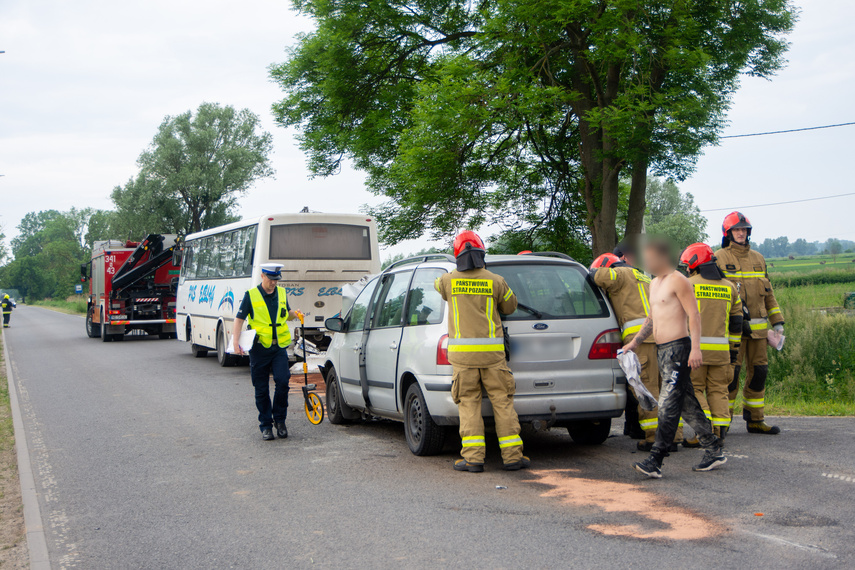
(272,270)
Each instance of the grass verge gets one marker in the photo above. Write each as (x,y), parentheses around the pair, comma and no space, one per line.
(13,543)
(70,307)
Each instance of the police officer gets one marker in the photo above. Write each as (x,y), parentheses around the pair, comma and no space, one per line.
(266,310)
(747,269)
(476,350)
(7,304)
(721,335)
(628,290)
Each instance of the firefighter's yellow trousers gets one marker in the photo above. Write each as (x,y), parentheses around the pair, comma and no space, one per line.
(466,390)
(754,358)
(711,384)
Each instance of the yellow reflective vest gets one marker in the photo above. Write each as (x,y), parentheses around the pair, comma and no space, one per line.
(746,268)
(475,300)
(629,293)
(260,321)
(721,318)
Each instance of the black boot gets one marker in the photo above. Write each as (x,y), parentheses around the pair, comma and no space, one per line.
(267,434)
(281,430)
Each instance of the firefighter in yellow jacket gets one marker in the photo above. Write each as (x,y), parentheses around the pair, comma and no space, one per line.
(476,349)
(721,334)
(747,269)
(628,290)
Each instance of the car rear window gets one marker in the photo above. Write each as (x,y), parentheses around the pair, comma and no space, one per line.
(552,291)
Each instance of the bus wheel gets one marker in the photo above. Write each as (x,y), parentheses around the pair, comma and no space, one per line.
(223,357)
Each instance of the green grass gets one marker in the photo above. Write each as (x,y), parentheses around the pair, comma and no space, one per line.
(810,263)
(71,307)
(815,373)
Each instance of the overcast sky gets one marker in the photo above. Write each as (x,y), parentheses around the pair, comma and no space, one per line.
(84,85)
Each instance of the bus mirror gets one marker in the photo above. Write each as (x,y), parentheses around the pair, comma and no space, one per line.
(334,324)
(177,255)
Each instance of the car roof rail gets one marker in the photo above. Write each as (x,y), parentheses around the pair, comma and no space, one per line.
(549,254)
(421,259)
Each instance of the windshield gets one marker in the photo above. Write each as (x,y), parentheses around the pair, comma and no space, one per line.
(551,291)
(320,241)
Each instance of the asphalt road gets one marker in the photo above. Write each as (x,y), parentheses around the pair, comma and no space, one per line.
(148,458)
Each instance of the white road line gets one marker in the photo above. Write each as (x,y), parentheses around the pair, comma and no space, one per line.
(847,478)
(812,549)
(36,540)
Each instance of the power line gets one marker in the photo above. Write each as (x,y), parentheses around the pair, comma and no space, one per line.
(788,131)
(780,203)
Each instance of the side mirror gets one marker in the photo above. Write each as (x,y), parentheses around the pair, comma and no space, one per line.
(84,272)
(177,257)
(334,324)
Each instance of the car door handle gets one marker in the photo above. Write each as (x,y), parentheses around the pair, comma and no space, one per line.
(393,346)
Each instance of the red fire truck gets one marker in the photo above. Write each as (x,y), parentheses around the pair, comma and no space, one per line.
(132,287)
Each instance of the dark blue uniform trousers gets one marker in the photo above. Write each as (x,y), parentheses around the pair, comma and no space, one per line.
(263,361)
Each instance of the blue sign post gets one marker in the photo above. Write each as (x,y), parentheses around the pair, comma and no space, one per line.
(78,288)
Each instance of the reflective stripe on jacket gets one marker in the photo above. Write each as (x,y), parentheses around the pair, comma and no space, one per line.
(721,318)
(629,292)
(260,321)
(476,300)
(746,268)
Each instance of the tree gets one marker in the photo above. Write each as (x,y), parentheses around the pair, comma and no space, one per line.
(194,171)
(469,112)
(834,248)
(673,214)
(4,249)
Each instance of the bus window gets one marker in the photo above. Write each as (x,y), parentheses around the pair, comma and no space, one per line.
(320,241)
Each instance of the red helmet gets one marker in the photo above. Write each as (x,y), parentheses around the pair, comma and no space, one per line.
(696,255)
(467,240)
(605,260)
(735,220)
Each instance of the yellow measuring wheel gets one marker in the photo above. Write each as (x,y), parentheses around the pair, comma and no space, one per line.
(314,408)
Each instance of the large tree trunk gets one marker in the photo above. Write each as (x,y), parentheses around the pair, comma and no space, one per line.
(637,199)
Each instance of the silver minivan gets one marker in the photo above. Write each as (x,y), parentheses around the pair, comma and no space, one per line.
(389,358)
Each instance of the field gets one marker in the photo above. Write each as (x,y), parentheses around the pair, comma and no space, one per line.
(815,373)
(810,263)
(71,305)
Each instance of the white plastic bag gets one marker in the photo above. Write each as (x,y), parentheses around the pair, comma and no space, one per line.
(775,339)
(632,368)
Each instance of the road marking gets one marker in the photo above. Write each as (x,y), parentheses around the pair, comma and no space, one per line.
(735,456)
(807,548)
(839,477)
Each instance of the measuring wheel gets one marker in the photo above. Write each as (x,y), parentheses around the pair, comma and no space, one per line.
(314,408)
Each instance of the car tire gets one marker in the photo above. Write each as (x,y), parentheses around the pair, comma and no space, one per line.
(224,358)
(590,432)
(424,436)
(335,403)
(93,329)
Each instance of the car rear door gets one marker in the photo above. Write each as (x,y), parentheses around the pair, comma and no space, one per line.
(384,340)
(560,318)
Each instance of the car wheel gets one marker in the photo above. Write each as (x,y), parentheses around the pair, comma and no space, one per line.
(93,330)
(223,357)
(590,432)
(424,436)
(335,403)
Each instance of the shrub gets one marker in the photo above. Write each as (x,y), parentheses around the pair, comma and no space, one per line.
(819,277)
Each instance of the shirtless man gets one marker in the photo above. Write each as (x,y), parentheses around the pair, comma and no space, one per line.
(672,305)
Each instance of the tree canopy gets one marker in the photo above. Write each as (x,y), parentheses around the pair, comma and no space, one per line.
(673,214)
(192,174)
(520,112)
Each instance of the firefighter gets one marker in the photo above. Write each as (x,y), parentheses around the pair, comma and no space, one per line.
(747,269)
(8,304)
(476,349)
(628,290)
(721,334)
(266,310)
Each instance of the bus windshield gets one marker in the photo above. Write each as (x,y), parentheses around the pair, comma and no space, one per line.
(319,241)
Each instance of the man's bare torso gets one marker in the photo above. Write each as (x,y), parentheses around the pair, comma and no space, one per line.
(670,321)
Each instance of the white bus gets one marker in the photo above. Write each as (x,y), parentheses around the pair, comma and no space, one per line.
(319,252)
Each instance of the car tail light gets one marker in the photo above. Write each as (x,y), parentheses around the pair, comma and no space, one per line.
(442,351)
(606,346)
